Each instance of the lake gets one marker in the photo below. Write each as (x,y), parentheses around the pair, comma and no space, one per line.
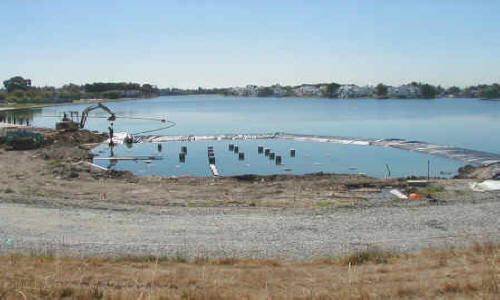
(466,123)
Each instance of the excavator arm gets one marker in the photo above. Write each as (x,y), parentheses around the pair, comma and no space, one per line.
(85,113)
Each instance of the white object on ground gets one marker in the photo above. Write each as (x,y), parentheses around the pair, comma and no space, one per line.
(214,170)
(488,185)
(97,166)
(118,138)
(398,194)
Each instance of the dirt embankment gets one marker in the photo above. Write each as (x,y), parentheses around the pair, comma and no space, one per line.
(58,174)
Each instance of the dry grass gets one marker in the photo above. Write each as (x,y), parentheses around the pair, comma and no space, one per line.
(471,272)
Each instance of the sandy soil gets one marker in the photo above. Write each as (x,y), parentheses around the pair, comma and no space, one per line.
(51,193)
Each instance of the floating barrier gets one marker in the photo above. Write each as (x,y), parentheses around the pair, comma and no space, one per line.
(231,147)
(292,152)
(260,149)
(466,155)
(236,149)
(241,156)
(184,149)
(271,155)
(278,159)
(136,157)
(267,151)
(182,157)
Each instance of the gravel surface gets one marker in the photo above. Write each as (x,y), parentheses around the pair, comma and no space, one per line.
(244,232)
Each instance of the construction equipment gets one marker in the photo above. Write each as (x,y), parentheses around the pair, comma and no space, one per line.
(23,140)
(85,113)
(72,123)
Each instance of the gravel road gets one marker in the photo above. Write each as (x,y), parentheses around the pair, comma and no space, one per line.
(244,232)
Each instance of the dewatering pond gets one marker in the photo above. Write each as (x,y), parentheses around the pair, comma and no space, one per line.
(309,157)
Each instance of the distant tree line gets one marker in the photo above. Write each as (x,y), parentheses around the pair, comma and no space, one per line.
(198,91)
(490,92)
(425,91)
(19,90)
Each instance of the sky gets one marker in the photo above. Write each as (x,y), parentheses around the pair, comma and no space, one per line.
(193,43)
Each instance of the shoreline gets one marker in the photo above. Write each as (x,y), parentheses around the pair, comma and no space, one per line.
(74,102)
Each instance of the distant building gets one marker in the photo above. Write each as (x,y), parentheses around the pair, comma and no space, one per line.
(354,91)
(278,91)
(130,93)
(252,90)
(403,91)
(307,90)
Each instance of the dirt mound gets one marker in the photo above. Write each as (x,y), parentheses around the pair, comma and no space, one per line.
(72,138)
(473,172)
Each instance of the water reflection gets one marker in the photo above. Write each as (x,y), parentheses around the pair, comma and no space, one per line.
(19,117)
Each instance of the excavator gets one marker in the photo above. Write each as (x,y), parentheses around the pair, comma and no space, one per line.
(72,123)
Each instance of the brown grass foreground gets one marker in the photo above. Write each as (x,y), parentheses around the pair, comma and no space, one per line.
(454,273)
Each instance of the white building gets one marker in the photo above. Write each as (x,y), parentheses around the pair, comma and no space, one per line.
(307,90)
(403,91)
(278,91)
(354,91)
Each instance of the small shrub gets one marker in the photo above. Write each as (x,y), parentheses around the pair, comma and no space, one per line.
(361,257)
(432,190)
(43,253)
(150,258)
(66,292)
(96,293)
(8,190)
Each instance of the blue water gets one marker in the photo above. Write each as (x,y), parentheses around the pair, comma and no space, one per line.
(310,157)
(467,123)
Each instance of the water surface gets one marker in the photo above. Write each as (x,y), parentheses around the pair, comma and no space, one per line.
(466,123)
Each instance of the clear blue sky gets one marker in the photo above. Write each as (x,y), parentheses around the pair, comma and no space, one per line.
(191,43)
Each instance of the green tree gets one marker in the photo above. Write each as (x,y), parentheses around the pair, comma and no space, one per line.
(454,90)
(428,91)
(381,90)
(490,92)
(111,94)
(332,89)
(265,92)
(17,83)
(147,89)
